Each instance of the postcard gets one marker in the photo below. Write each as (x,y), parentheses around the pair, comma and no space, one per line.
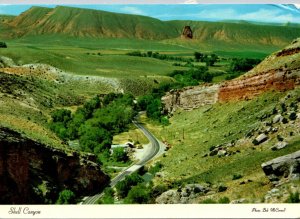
(149,109)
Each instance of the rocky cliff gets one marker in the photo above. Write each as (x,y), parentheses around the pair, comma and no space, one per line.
(34,173)
(280,71)
(190,98)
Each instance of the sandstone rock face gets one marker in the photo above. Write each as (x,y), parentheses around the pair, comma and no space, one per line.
(187,33)
(280,71)
(253,85)
(190,98)
(283,168)
(32,173)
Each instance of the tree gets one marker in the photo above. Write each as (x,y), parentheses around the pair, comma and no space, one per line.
(66,197)
(207,77)
(3,45)
(154,109)
(242,65)
(94,138)
(61,115)
(149,53)
(108,197)
(198,56)
(90,106)
(144,101)
(139,194)
(120,155)
(125,185)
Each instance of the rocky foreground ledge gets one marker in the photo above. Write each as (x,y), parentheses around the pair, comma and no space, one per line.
(34,173)
(283,168)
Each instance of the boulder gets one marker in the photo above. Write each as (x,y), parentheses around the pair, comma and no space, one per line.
(182,195)
(277,118)
(238,201)
(280,145)
(275,129)
(222,153)
(169,197)
(261,138)
(283,168)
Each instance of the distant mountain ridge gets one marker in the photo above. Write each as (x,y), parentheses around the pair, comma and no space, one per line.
(80,22)
(88,22)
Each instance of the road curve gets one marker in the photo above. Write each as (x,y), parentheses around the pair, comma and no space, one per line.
(155,148)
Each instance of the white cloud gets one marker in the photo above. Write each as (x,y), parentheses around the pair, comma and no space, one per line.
(269,15)
(132,10)
(190,2)
(219,14)
(261,15)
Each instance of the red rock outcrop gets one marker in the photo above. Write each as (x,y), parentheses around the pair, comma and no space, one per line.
(187,33)
(34,173)
(250,86)
(280,71)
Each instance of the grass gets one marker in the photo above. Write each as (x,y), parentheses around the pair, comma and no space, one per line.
(85,61)
(192,133)
(133,134)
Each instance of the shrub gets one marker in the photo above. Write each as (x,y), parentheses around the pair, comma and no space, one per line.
(293,116)
(222,188)
(134,53)
(293,198)
(66,197)
(208,201)
(285,120)
(224,200)
(236,176)
(283,107)
(164,121)
(156,168)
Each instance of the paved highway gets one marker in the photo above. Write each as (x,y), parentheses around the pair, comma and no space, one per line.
(154,150)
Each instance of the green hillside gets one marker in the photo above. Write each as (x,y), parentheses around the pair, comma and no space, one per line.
(87,22)
(239,33)
(194,134)
(68,21)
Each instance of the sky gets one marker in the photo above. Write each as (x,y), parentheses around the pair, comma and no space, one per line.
(189,11)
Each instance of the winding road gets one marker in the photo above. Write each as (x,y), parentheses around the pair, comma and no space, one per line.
(155,148)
